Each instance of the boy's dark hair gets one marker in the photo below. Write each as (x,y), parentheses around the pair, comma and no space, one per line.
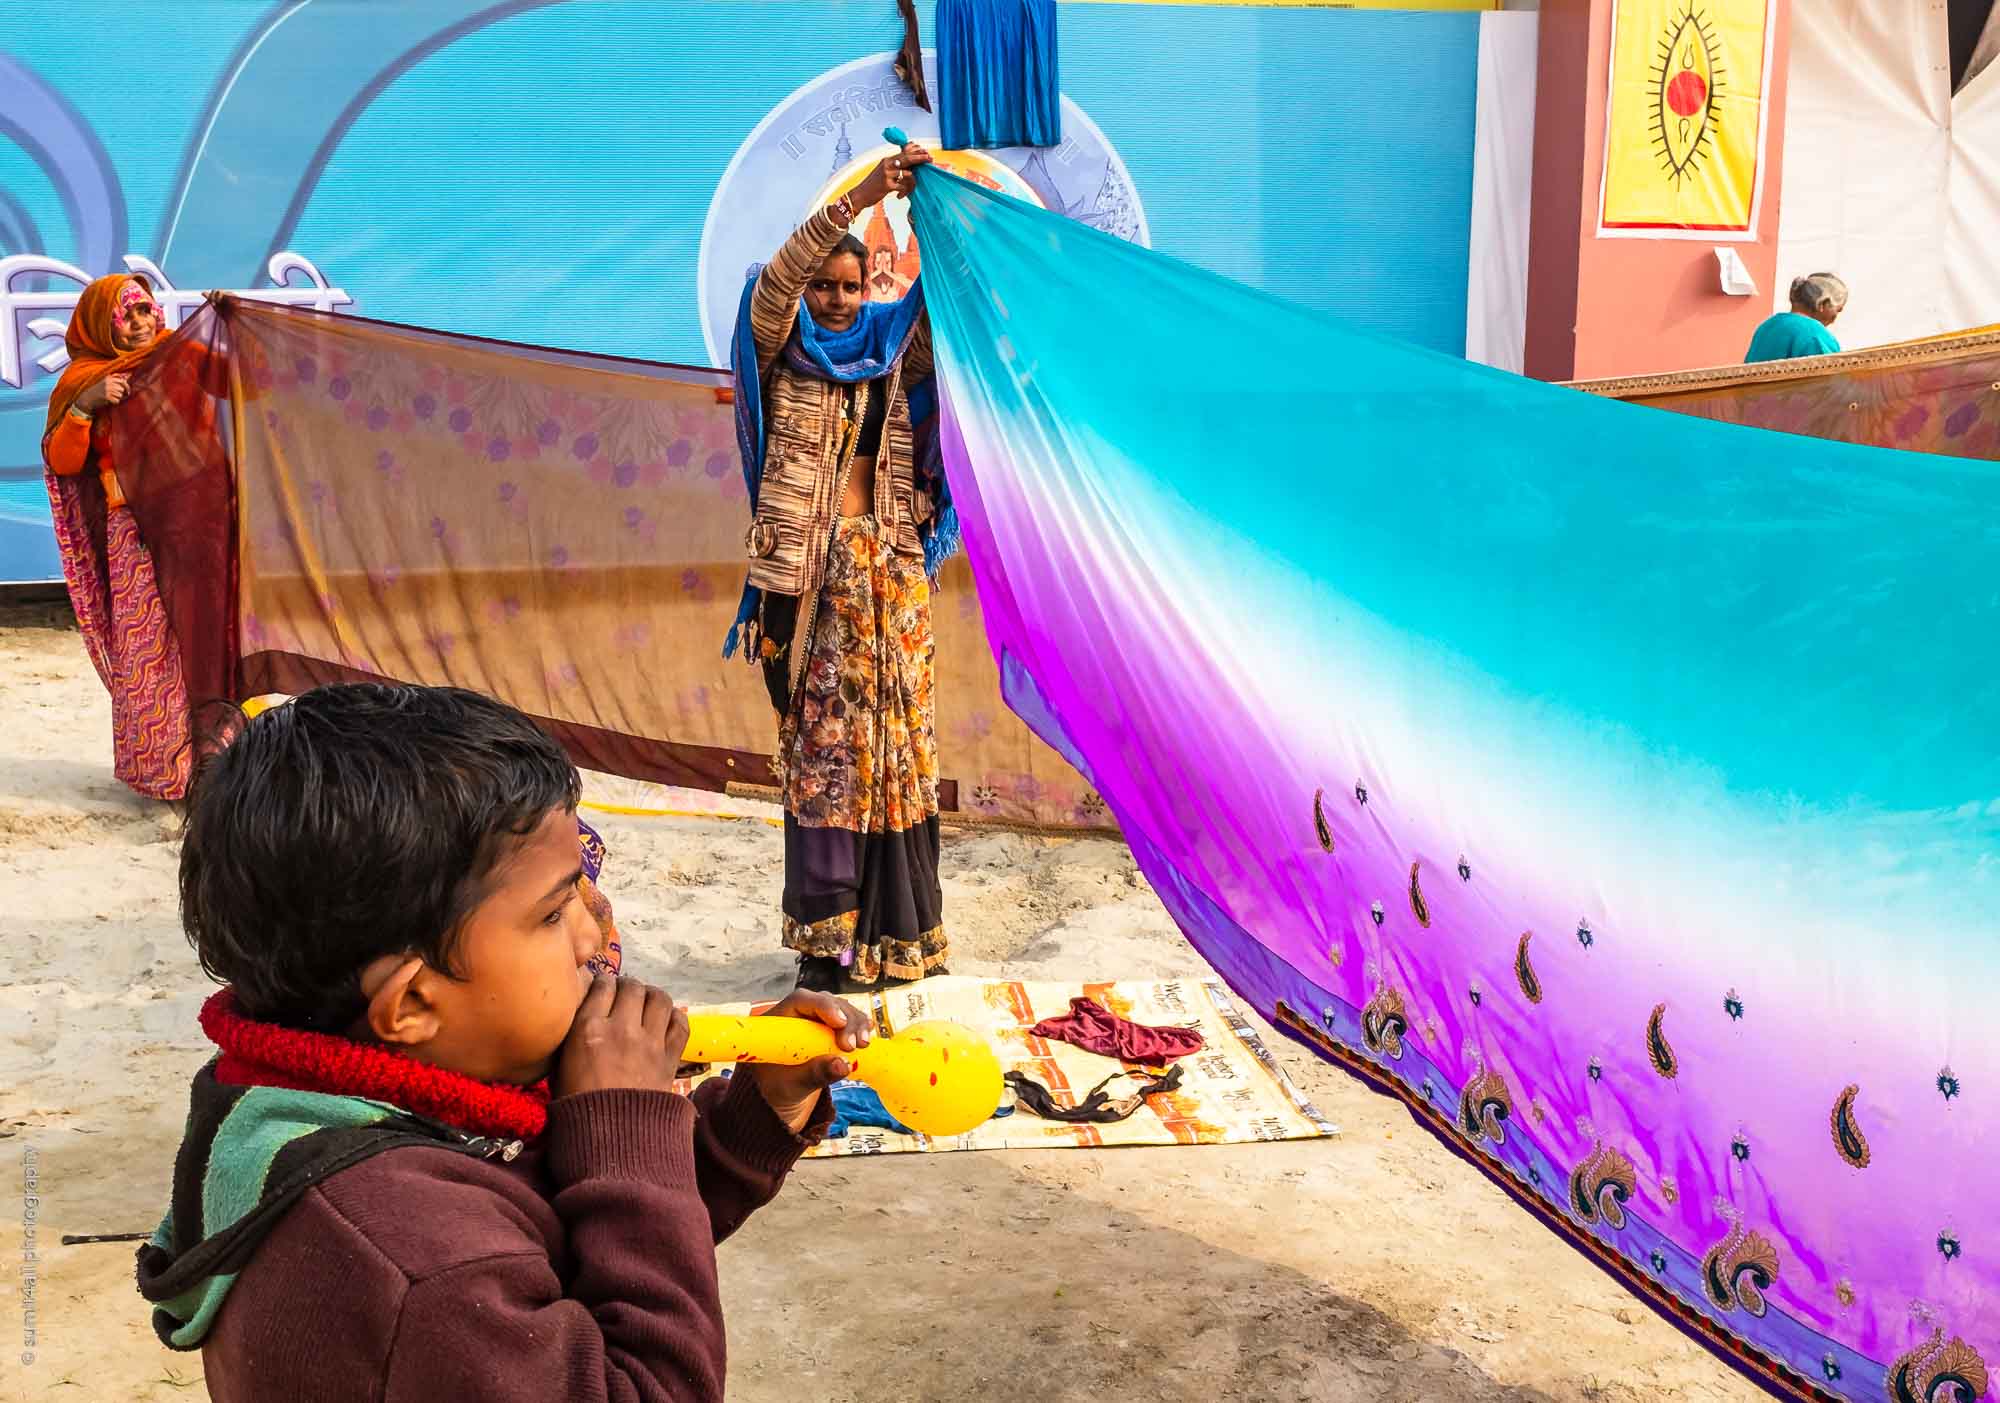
(849,244)
(350,823)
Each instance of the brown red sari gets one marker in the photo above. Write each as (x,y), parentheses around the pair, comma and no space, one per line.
(180,496)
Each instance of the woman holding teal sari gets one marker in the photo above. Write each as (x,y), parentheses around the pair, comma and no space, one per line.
(850,512)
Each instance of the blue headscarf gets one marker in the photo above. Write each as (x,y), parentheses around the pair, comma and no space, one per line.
(867,350)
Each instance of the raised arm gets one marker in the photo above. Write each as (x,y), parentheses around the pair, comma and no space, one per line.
(774,306)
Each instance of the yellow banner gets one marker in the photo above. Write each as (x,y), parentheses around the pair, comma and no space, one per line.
(1685,118)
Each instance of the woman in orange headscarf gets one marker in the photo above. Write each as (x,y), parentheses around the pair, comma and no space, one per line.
(110,573)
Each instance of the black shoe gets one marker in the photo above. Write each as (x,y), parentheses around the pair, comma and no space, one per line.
(820,973)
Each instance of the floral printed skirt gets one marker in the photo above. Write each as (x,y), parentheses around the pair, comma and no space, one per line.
(858,751)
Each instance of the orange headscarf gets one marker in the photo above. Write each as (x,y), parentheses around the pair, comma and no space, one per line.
(92,353)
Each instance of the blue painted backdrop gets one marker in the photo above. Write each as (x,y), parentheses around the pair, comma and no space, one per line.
(544,170)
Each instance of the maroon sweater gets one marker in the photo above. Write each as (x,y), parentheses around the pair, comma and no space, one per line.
(582,1269)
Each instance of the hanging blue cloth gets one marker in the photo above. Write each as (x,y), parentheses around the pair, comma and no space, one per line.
(997,81)
(867,350)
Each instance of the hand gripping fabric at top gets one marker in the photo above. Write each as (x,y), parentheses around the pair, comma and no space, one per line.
(1617,789)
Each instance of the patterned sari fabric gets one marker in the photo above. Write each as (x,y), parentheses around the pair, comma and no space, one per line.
(561,531)
(116,600)
(1937,395)
(1614,789)
(127,622)
(151,749)
(859,750)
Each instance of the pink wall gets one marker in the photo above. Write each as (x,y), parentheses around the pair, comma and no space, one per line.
(1599,307)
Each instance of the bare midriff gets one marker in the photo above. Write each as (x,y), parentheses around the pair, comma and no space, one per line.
(860,497)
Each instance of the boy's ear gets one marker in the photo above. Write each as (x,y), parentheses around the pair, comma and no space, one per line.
(401,1009)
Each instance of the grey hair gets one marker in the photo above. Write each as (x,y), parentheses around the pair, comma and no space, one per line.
(1819,292)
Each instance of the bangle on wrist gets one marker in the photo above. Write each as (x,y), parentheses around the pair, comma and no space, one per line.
(842,209)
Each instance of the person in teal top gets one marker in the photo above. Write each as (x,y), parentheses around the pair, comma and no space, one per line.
(1817,299)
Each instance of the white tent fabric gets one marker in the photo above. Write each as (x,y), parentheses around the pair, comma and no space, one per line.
(1890,180)
(1503,179)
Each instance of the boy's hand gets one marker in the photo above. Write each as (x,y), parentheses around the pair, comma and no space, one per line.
(793,1091)
(627,1036)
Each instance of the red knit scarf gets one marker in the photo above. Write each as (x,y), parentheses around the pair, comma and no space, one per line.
(264,1054)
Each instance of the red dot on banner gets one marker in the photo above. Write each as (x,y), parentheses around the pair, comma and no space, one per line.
(1686,93)
(933,1078)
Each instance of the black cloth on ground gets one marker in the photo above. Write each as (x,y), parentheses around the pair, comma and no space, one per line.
(1096,1108)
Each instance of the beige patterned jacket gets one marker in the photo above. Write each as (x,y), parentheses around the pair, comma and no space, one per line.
(801,491)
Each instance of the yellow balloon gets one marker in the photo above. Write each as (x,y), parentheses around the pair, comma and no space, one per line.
(938,1078)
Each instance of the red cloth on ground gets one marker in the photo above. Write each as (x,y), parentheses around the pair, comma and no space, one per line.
(1094,1028)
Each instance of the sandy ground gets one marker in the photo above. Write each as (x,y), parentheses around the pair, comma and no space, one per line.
(1371,1266)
